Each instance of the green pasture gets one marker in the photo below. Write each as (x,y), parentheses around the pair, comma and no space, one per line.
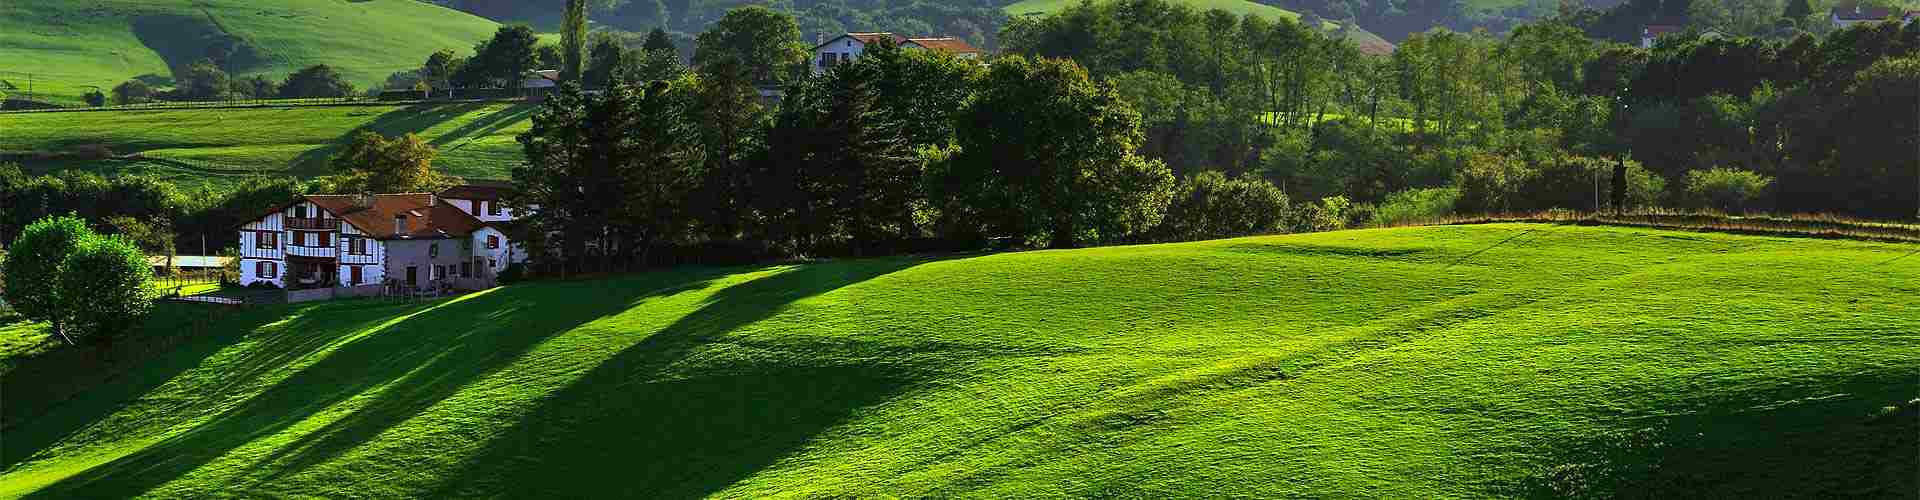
(1238,7)
(220,145)
(1506,360)
(71,46)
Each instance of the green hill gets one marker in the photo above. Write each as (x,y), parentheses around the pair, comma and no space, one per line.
(195,146)
(69,45)
(1456,361)
(1238,7)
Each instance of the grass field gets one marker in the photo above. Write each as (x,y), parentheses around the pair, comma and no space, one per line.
(70,45)
(1451,361)
(1238,7)
(474,139)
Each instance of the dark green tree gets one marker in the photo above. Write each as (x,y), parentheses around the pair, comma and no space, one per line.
(658,40)
(1066,170)
(107,286)
(201,81)
(763,43)
(95,98)
(319,80)
(33,272)
(501,60)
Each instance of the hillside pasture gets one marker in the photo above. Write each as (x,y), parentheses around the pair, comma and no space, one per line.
(219,145)
(1514,360)
(1237,7)
(70,46)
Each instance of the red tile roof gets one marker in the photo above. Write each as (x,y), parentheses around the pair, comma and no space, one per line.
(478,189)
(427,217)
(945,44)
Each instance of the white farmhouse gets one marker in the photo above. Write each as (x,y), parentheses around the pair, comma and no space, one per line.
(1843,17)
(321,241)
(847,48)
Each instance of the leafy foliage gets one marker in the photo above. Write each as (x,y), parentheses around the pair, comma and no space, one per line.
(373,163)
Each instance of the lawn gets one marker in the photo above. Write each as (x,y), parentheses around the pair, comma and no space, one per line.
(70,46)
(212,145)
(1237,7)
(1451,361)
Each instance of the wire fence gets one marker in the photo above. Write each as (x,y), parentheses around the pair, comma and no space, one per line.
(413,98)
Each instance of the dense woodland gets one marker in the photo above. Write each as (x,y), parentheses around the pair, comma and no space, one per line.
(1159,123)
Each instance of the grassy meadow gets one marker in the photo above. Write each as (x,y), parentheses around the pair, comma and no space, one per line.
(1516,360)
(71,46)
(220,145)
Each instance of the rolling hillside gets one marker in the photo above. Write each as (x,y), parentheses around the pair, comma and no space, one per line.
(1459,361)
(69,46)
(1238,7)
(194,146)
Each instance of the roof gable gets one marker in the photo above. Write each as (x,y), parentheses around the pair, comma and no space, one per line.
(947,44)
(427,217)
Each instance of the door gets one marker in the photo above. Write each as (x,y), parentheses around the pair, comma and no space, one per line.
(353,275)
(413,275)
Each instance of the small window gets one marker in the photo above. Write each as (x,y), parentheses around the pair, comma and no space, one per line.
(300,212)
(849,43)
(493,242)
(492,263)
(357,246)
(267,241)
(326,239)
(493,208)
(433,250)
(400,224)
(466,269)
(265,270)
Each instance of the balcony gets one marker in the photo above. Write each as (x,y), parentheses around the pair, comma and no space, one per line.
(313,224)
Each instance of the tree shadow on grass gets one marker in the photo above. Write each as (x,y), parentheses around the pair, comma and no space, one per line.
(1859,444)
(411,119)
(415,357)
(659,421)
(55,394)
(485,125)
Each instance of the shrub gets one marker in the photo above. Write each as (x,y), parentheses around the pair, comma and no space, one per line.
(1210,205)
(132,92)
(1490,182)
(1727,189)
(1328,215)
(514,273)
(1414,205)
(95,98)
(107,278)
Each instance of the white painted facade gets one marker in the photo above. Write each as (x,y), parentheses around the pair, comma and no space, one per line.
(305,246)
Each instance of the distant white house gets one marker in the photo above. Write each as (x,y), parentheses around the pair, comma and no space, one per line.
(848,47)
(1652,33)
(538,84)
(322,241)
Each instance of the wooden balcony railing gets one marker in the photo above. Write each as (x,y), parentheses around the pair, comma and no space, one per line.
(323,224)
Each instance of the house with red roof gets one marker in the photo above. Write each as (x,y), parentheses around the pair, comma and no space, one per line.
(410,239)
(1848,16)
(847,48)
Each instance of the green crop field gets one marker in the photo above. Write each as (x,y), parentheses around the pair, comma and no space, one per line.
(474,139)
(1238,7)
(69,46)
(1454,361)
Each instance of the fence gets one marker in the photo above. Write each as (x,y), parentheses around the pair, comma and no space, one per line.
(454,95)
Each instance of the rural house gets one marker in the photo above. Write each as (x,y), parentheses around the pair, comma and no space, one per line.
(1848,16)
(846,48)
(411,239)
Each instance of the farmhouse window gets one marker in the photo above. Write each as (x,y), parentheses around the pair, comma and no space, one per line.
(493,208)
(493,242)
(433,250)
(300,212)
(265,270)
(326,239)
(466,269)
(357,246)
(492,263)
(267,241)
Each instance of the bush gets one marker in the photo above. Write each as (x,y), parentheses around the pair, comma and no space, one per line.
(1328,215)
(107,278)
(1209,205)
(132,92)
(1491,182)
(514,273)
(95,98)
(1415,205)
(1727,189)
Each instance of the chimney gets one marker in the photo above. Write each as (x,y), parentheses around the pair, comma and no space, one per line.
(400,224)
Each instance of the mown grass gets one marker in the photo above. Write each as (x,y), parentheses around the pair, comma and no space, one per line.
(1449,361)
(219,145)
(72,46)
(1237,7)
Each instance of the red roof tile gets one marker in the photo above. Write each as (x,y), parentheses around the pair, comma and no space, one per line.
(426,216)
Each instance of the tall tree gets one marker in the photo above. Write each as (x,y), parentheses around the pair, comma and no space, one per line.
(573,41)
(658,40)
(106,283)
(764,43)
(727,109)
(1066,170)
(503,59)
(33,271)
(373,163)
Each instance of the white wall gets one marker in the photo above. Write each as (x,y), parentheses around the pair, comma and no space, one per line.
(403,253)
(842,45)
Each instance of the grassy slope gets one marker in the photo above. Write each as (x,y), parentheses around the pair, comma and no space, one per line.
(1421,362)
(1238,7)
(71,44)
(474,139)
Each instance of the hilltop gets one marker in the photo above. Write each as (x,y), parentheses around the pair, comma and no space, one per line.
(194,146)
(1457,361)
(69,47)
(1238,7)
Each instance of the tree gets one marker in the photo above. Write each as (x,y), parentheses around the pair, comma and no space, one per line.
(608,58)
(318,80)
(553,177)
(764,43)
(1727,189)
(1798,10)
(107,286)
(440,67)
(201,81)
(726,107)
(256,87)
(1066,170)
(373,163)
(573,41)
(1210,205)
(503,59)
(132,92)
(658,40)
(153,235)
(33,271)
(95,98)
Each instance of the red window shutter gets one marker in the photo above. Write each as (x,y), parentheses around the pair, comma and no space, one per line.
(326,239)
